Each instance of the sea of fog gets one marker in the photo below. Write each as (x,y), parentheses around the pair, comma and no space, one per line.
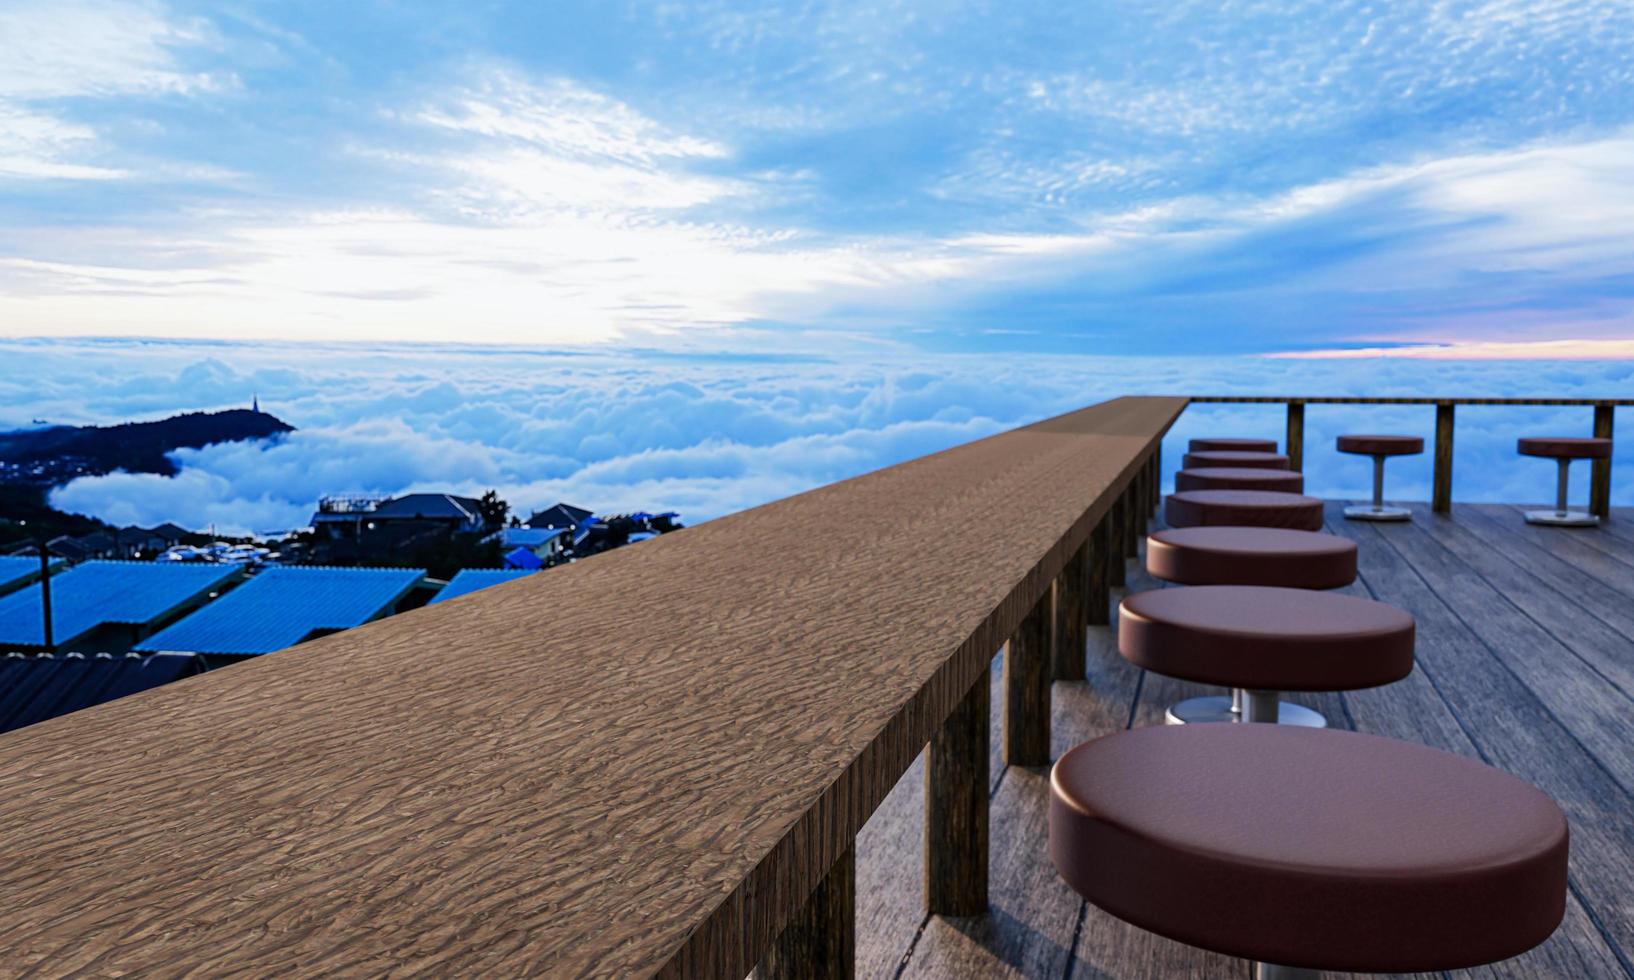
(708,434)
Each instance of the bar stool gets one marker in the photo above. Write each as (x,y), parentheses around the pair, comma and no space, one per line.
(1222,457)
(1259,640)
(1242,508)
(1307,850)
(1232,445)
(1251,556)
(1380,448)
(1239,478)
(1563,450)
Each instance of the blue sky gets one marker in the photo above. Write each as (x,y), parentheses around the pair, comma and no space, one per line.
(1135,178)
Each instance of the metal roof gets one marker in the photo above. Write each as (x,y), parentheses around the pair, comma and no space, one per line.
(282,606)
(429,505)
(476,579)
(15,569)
(39,687)
(525,537)
(97,592)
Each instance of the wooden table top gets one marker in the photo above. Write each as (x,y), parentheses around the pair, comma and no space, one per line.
(635,764)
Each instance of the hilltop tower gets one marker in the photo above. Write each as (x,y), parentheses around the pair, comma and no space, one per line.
(255,403)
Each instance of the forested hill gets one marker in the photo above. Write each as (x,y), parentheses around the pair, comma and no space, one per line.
(50,455)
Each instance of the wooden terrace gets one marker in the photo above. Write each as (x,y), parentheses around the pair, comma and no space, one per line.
(807,738)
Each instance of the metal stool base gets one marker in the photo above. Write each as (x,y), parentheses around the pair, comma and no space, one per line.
(1562,518)
(1196,711)
(1270,971)
(1367,512)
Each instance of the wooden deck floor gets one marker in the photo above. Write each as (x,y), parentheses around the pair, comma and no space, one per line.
(1525,660)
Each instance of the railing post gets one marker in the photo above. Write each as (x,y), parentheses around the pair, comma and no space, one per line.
(1097,598)
(1600,480)
(820,942)
(956,807)
(1155,461)
(1294,440)
(1027,690)
(1069,616)
(1116,526)
(1441,494)
(1131,513)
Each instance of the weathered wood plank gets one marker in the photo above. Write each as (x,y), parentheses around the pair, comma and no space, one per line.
(1600,472)
(1071,589)
(1293,440)
(821,941)
(1026,727)
(1513,730)
(1441,492)
(956,789)
(535,780)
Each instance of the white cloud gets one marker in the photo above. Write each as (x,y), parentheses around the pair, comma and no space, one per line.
(79,49)
(616,431)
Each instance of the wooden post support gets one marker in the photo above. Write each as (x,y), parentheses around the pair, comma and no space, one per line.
(956,807)
(1441,493)
(1155,461)
(1600,480)
(1294,442)
(1070,587)
(1027,690)
(1131,510)
(1097,598)
(820,942)
(1116,526)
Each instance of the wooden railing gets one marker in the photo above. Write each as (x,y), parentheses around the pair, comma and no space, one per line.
(652,762)
(1441,492)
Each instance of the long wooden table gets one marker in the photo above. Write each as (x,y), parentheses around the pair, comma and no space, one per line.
(641,763)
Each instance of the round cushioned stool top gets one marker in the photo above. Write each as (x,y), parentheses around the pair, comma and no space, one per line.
(1265,638)
(1222,457)
(1251,556)
(1562,447)
(1381,445)
(1232,445)
(1315,848)
(1243,508)
(1239,478)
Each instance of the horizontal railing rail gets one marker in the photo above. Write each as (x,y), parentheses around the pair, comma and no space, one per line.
(652,762)
(1441,484)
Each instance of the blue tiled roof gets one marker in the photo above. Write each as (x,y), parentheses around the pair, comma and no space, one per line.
(16,568)
(36,688)
(97,592)
(475,579)
(527,537)
(283,606)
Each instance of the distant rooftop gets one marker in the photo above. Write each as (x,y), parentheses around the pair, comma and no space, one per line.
(99,592)
(560,515)
(283,606)
(39,687)
(475,579)
(16,569)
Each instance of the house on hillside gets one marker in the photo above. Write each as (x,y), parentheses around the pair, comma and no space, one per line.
(549,545)
(562,515)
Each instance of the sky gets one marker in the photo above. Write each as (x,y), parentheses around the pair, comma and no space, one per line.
(1440,179)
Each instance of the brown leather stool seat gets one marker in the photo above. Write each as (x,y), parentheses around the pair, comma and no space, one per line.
(1243,508)
(1221,457)
(1251,556)
(1380,448)
(1381,445)
(1259,640)
(1232,445)
(1239,478)
(1563,449)
(1315,850)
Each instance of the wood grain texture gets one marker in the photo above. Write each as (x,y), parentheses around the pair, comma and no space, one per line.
(1441,484)
(1293,440)
(532,779)
(1600,478)
(1117,526)
(1097,601)
(1070,589)
(1027,690)
(956,791)
(820,943)
(1417,400)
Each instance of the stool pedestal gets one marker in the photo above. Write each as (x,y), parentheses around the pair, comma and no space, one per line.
(1243,706)
(1377,511)
(1562,516)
